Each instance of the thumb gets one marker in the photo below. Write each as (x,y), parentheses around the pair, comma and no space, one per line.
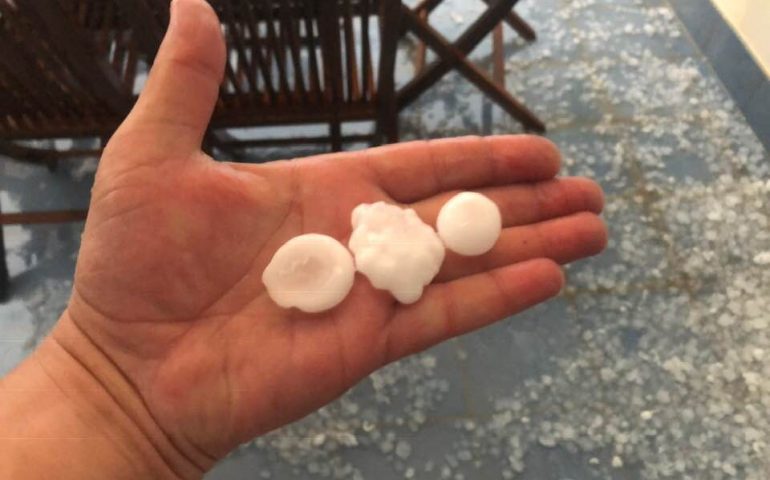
(175,107)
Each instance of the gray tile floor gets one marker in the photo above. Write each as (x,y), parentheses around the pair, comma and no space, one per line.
(650,365)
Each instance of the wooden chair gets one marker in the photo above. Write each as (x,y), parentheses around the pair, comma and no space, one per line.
(453,56)
(71,68)
(68,68)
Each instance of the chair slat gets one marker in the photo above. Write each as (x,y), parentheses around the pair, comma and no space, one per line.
(351,65)
(389,19)
(290,36)
(331,51)
(75,101)
(367,73)
(112,41)
(233,30)
(232,78)
(24,73)
(131,62)
(161,11)
(119,53)
(79,54)
(25,80)
(15,94)
(58,216)
(145,28)
(289,62)
(257,49)
(313,48)
(47,65)
(278,54)
(83,11)
(328,25)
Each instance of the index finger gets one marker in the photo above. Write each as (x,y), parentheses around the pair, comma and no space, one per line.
(415,170)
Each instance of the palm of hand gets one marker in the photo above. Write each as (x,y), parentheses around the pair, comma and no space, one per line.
(206,234)
(168,282)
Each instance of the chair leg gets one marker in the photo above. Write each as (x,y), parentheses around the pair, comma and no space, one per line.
(498,56)
(521,26)
(335,133)
(5,281)
(421,51)
(390,125)
(4,278)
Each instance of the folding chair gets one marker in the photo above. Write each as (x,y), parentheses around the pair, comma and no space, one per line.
(68,69)
(453,56)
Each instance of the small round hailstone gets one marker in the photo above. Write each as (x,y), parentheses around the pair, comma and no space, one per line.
(394,249)
(469,223)
(311,272)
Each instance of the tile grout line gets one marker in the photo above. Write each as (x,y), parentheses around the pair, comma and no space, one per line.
(711,68)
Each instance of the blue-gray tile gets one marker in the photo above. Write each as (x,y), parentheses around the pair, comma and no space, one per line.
(44,190)
(614,30)
(700,17)
(558,464)
(556,94)
(600,157)
(664,159)
(249,465)
(637,252)
(757,111)
(502,356)
(447,367)
(735,66)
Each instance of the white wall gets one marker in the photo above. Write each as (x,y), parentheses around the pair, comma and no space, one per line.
(751,21)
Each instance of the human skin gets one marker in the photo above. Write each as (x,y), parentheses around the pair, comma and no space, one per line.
(170,353)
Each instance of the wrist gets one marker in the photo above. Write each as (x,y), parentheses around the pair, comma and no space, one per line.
(68,409)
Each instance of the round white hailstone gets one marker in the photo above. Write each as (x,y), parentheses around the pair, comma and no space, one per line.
(469,223)
(394,249)
(311,272)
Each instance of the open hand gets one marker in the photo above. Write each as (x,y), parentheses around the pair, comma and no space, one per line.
(168,303)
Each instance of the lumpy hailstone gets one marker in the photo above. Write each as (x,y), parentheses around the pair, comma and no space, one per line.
(469,223)
(396,250)
(311,272)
